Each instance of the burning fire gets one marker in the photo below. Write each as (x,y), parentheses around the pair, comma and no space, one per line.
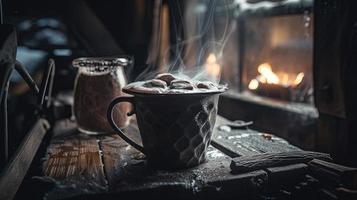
(268,76)
(211,65)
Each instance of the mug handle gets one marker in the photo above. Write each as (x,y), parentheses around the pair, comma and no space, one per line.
(117,100)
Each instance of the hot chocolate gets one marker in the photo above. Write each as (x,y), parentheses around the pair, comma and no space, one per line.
(167,83)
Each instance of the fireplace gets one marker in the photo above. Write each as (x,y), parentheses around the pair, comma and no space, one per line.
(290,66)
(277,57)
(276,52)
(272,49)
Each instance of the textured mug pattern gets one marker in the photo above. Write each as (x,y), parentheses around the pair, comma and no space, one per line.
(177,138)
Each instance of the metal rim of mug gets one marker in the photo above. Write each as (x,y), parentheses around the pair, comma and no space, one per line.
(128,91)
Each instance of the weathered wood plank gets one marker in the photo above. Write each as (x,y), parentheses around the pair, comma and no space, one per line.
(246,142)
(261,161)
(74,162)
(16,169)
(127,172)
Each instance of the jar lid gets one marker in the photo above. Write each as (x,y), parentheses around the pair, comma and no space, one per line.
(102,64)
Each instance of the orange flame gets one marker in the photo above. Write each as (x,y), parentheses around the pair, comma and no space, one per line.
(299,78)
(266,71)
(268,76)
(253,84)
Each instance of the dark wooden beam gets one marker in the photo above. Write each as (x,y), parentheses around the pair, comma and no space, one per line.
(82,20)
(14,172)
(335,48)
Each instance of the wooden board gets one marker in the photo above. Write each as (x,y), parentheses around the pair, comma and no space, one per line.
(292,121)
(74,162)
(247,142)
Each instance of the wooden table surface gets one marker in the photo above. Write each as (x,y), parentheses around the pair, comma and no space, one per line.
(85,166)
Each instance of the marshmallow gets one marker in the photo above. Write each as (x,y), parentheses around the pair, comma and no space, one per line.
(167,77)
(169,84)
(155,83)
(206,85)
(181,84)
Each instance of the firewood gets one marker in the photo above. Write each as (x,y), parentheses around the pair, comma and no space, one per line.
(335,173)
(286,174)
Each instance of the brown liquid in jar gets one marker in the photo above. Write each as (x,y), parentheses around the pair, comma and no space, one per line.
(93,93)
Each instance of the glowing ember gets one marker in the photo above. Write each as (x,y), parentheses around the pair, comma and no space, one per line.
(267,75)
(211,66)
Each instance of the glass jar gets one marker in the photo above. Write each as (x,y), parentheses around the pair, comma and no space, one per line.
(98,81)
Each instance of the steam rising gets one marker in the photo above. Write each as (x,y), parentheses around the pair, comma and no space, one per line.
(197,51)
